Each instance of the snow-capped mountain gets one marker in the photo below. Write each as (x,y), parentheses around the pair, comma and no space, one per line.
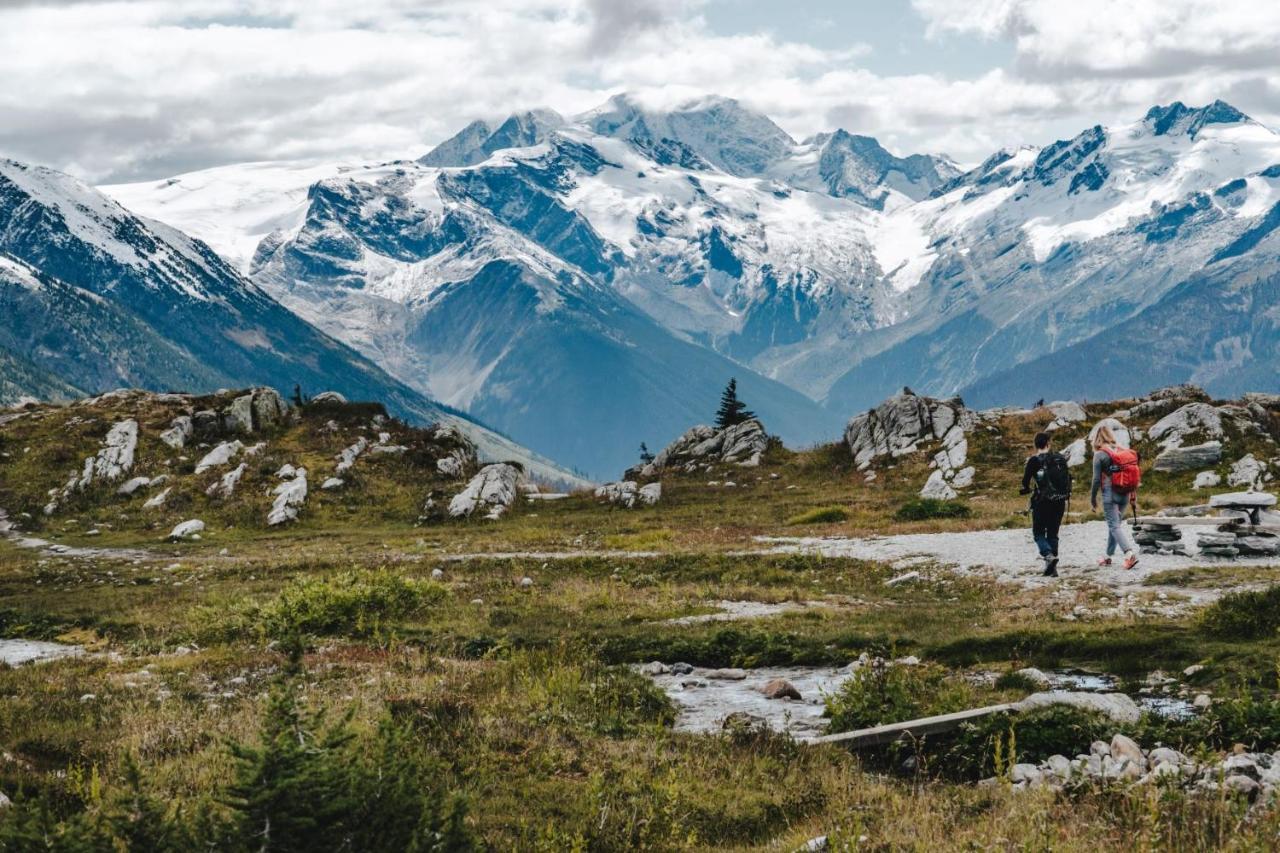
(586,282)
(96,298)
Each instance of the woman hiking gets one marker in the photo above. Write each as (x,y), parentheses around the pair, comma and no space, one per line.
(1116,475)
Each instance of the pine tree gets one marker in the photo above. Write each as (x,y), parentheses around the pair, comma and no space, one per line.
(645,456)
(732,410)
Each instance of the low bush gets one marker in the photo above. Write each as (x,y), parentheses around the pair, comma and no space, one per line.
(882,692)
(923,509)
(1248,615)
(820,515)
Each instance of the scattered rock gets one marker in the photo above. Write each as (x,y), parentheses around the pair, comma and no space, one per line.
(780,688)
(348,456)
(437,574)
(290,496)
(490,493)
(1206,480)
(132,485)
(1247,472)
(332,483)
(220,455)
(187,529)
(157,500)
(178,433)
(226,486)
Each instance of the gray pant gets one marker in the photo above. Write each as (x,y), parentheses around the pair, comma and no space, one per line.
(1114,508)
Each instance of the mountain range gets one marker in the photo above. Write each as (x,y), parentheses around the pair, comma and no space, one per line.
(586,283)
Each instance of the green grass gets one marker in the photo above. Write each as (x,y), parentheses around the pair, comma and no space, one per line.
(924,509)
(820,515)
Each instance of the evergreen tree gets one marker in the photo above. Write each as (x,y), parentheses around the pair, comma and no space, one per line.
(645,456)
(732,411)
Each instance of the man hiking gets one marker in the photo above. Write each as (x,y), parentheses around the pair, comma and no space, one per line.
(1048,481)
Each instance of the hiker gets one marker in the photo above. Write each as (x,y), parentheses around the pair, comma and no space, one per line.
(1116,474)
(1048,472)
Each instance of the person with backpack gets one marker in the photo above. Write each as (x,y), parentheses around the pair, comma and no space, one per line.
(1117,475)
(1048,480)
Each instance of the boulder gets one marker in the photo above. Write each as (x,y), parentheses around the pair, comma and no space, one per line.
(1076,452)
(1117,706)
(742,722)
(1067,411)
(226,485)
(1121,431)
(1177,458)
(937,487)
(452,465)
(780,688)
(238,417)
(901,423)
(490,493)
(328,397)
(349,455)
(1125,748)
(132,485)
(220,455)
(629,493)
(1191,419)
(178,433)
(269,409)
(1206,480)
(742,444)
(1247,472)
(206,423)
(156,501)
(115,459)
(187,529)
(289,498)
(650,494)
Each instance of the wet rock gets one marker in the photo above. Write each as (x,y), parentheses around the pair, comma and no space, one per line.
(780,688)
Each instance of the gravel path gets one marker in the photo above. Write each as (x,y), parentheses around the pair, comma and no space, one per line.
(1010,556)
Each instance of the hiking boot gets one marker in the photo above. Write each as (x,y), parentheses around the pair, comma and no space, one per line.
(1131,561)
(1105,561)
(1051,566)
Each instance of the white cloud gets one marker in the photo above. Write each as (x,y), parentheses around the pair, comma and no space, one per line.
(125,89)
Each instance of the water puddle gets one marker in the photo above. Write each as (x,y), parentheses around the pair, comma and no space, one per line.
(18,652)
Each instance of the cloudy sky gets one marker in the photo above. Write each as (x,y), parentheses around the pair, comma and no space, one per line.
(140,89)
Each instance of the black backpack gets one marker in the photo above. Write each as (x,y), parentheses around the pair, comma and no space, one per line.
(1053,480)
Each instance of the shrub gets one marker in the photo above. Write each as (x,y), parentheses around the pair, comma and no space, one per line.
(1248,615)
(820,515)
(922,509)
(880,693)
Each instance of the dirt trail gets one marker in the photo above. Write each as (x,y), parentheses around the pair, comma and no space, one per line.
(10,531)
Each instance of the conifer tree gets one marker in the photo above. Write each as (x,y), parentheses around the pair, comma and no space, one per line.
(732,411)
(645,456)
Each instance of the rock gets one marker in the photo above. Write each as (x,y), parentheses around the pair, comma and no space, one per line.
(903,578)
(964,477)
(131,486)
(1059,766)
(116,456)
(1100,748)
(290,496)
(1244,499)
(1027,774)
(186,529)
(332,483)
(1191,419)
(937,488)
(1121,431)
(526,582)
(157,500)
(206,423)
(650,494)
(490,493)
(1123,747)
(742,444)
(269,409)
(452,465)
(178,433)
(1067,410)
(741,722)
(226,486)
(1246,471)
(1241,785)
(1202,701)
(780,688)
(624,493)
(681,668)
(1193,669)
(5,802)
(652,668)
(1177,459)
(1241,765)
(901,423)
(1076,453)
(1206,480)
(239,415)
(437,574)
(348,456)
(813,845)
(328,397)
(727,674)
(220,455)
(1034,675)
(1117,706)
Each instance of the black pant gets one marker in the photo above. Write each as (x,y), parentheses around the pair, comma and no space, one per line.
(1046,518)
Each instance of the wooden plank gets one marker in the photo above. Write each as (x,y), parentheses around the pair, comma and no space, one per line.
(924,726)
(1196,520)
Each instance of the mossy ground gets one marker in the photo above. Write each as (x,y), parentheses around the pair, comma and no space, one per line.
(522,692)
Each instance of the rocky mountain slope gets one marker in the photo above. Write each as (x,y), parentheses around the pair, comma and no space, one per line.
(96,298)
(630,244)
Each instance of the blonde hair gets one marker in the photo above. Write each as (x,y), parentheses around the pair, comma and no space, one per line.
(1104,437)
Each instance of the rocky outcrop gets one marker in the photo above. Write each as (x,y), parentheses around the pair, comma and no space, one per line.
(347,458)
(702,446)
(630,494)
(110,463)
(328,397)
(901,424)
(1192,419)
(289,498)
(1248,472)
(1190,458)
(179,432)
(1121,432)
(490,493)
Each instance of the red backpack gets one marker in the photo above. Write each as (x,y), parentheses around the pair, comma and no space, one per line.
(1126,475)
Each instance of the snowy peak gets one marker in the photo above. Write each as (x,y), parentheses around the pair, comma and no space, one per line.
(1178,118)
(478,141)
(848,165)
